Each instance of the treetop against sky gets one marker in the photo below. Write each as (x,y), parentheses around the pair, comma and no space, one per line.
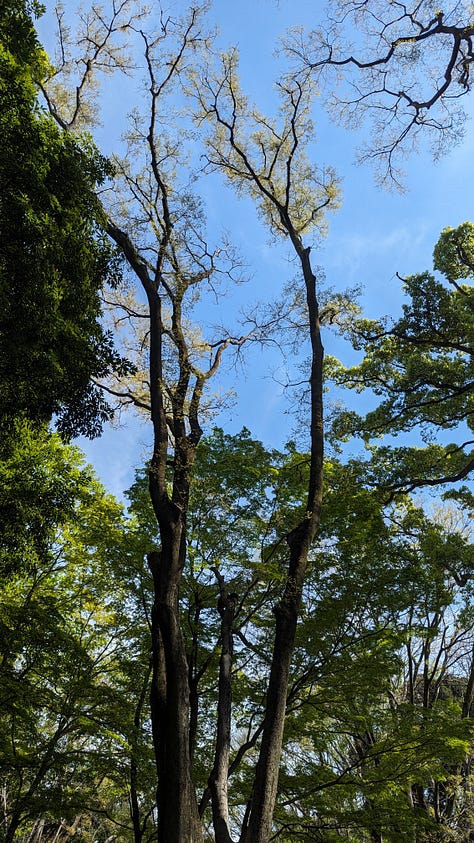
(375,235)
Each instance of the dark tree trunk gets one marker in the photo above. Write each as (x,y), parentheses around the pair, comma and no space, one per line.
(134,768)
(219,775)
(264,794)
(13,826)
(178,820)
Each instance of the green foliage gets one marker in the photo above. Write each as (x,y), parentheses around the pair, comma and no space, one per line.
(39,485)
(53,258)
(374,713)
(74,667)
(377,741)
(421,367)
(383,652)
(454,252)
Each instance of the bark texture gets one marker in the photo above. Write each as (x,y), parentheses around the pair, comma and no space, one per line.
(220,772)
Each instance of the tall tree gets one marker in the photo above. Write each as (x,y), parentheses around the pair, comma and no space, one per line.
(163,241)
(266,159)
(54,259)
(159,228)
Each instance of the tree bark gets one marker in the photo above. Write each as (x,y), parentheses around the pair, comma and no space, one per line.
(264,794)
(220,772)
(134,768)
(178,819)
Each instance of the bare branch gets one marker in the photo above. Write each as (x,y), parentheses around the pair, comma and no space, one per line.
(409,75)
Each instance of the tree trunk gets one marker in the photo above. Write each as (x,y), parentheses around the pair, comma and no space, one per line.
(220,772)
(264,794)
(12,827)
(178,819)
(135,813)
(266,774)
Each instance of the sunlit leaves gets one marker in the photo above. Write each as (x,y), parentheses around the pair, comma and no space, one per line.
(454,253)
(267,157)
(74,655)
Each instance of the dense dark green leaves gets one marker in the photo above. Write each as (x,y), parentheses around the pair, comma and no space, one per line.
(53,258)
(421,367)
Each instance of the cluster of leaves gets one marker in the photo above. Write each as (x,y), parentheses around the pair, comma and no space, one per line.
(53,258)
(38,493)
(379,726)
(377,737)
(421,367)
(73,663)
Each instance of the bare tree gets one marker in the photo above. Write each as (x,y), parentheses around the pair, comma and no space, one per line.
(157,225)
(405,66)
(266,159)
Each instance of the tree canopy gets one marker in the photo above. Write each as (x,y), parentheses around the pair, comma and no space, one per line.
(421,366)
(54,257)
(265,643)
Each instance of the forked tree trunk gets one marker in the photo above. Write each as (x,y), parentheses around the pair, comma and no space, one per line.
(178,818)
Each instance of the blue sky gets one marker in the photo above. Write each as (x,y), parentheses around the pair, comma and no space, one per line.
(373,236)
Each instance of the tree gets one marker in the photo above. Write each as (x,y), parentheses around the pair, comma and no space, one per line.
(160,230)
(421,366)
(54,259)
(385,644)
(228,521)
(408,67)
(266,159)
(168,264)
(74,662)
(379,680)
